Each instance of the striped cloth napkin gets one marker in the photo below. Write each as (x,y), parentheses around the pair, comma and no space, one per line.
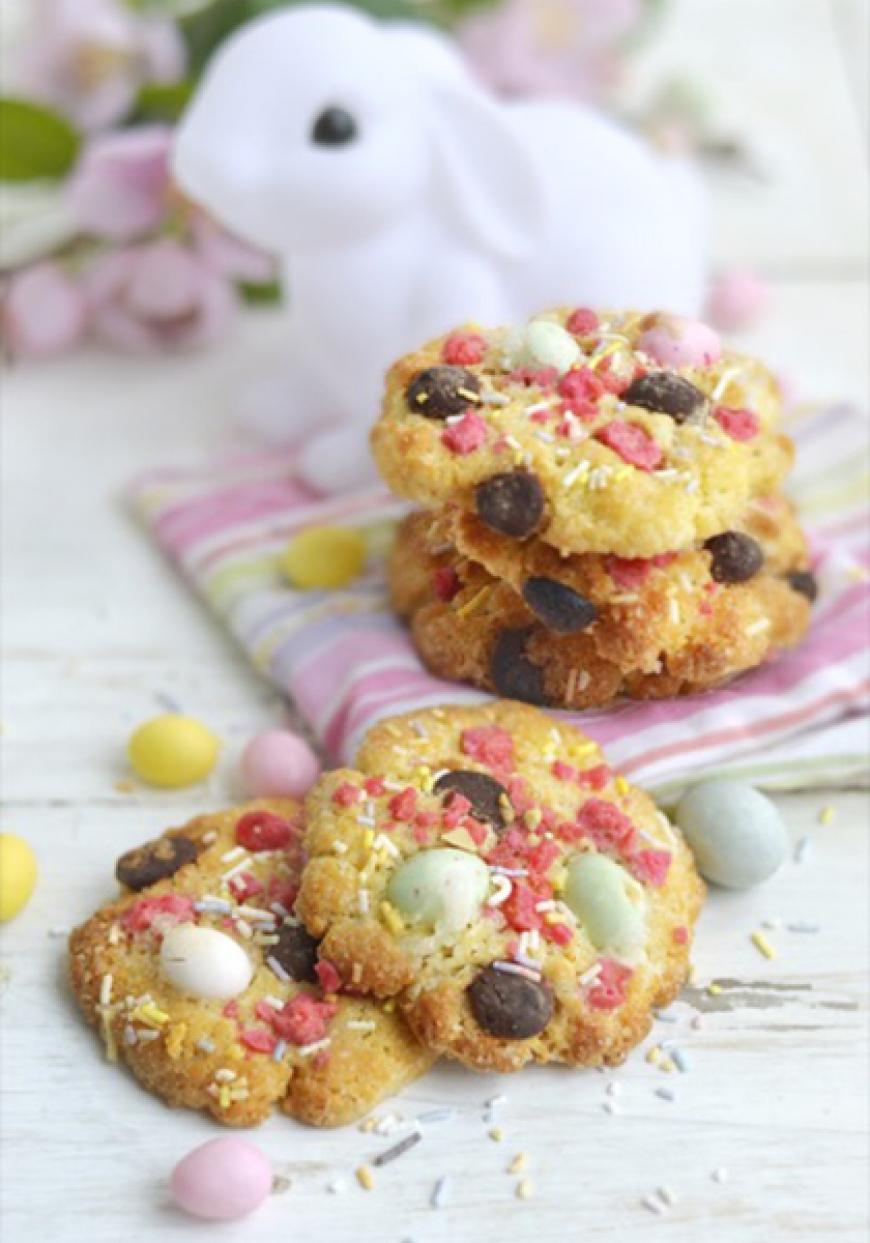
(344,660)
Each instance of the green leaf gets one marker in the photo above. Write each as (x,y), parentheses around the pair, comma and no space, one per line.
(162,101)
(34,142)
(266,294)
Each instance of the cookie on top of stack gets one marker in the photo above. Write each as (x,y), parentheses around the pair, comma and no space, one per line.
(601,508)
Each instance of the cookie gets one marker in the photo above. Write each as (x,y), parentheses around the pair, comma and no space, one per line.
(485,866)
(586,430)
(578,632)
(201,981)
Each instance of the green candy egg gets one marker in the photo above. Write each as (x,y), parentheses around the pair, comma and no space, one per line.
(599,892)
(549,345)
(444,887)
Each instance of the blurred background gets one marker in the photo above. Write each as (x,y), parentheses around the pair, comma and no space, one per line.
(768,95)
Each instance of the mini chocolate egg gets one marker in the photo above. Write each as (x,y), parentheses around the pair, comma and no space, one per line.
(607,902)
(324,558)
(549,345)
(278,764)
(675,341)
(172,751)
(17,874)
(442,886)
(203,962)
(735,832)
(222,1179)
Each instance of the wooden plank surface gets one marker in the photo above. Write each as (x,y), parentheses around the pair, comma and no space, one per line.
(97,633)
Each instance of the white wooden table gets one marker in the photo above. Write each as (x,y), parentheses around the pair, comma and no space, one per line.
(97,630)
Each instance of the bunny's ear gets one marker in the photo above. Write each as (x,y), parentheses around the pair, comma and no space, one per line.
(484,169)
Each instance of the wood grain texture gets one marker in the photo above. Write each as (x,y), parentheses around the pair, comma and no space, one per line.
(98,634)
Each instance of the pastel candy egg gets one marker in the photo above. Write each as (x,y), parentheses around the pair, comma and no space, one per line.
(736,299)
(172,751)
(675,341)
(607,902)
(17,874)
(222,1180)
(549,345)
(205,963)
(443,886)
(324,557)
(278,764)
(735,832)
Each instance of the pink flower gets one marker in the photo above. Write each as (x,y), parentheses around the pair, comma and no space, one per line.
(156,295)
(550,47)
(43,312)
(89,57)
(120,187)
(227,255)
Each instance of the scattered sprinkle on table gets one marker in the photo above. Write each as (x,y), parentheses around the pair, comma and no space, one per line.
(397,1150)
(524,1189)
(802,848)
(761,943)
(365,1178)
(496,1134)
(440,1192)
(666,1094)
(519,1163)
(720,1175)
(827,815)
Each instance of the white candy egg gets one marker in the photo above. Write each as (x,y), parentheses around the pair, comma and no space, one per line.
(735,832)
(203,962)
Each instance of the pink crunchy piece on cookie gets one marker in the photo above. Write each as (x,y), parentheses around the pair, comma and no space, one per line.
(739,424)
(346,794)
(582,321)
(327,976)
(303,1020)
(257,1039)
(579,388)
(403,806)
(171,908)
(607,826)
(650,866)
(489,745)
(466,435)
(446,583)
(607,991)
(464,349)
(631,443)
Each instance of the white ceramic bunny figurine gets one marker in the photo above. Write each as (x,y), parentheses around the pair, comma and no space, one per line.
(404,200)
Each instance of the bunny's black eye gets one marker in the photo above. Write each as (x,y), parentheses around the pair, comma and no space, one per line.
(333,128)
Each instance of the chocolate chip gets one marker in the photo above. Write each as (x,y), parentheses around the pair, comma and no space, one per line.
(296,951)
(559,607)
(511,503)
(513,675)
(439,392)
(804,582)
(483,792)
(510,1006)
(154,861)
(665,393)
(735,557)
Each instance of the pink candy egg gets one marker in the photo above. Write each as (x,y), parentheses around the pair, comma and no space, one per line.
(674,341)
(736,298)
(278,764)
(222,1180)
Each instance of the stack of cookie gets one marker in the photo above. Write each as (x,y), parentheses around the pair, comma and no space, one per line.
(602,515)
(480,884)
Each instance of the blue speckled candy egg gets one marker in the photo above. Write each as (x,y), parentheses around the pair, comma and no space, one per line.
(735,832)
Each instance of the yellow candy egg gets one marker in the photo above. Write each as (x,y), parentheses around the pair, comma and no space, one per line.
(172,751)
(324,557)
(17,874)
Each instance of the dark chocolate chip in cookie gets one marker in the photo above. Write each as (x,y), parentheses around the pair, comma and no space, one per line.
(735,557)
(154,861)
(804,582)
(511,503)
(560,608)
(510,1006)
(485,794)
(664,392)
(439,392)
(296,951)
(513,675)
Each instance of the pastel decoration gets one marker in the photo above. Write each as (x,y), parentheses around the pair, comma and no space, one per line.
(278,764)
(324,557)
(442,886)
(172,751)
(403,199)
(204,963)
(674,341)
(223,1179)
(735,832)
(607,902)
(18,872)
